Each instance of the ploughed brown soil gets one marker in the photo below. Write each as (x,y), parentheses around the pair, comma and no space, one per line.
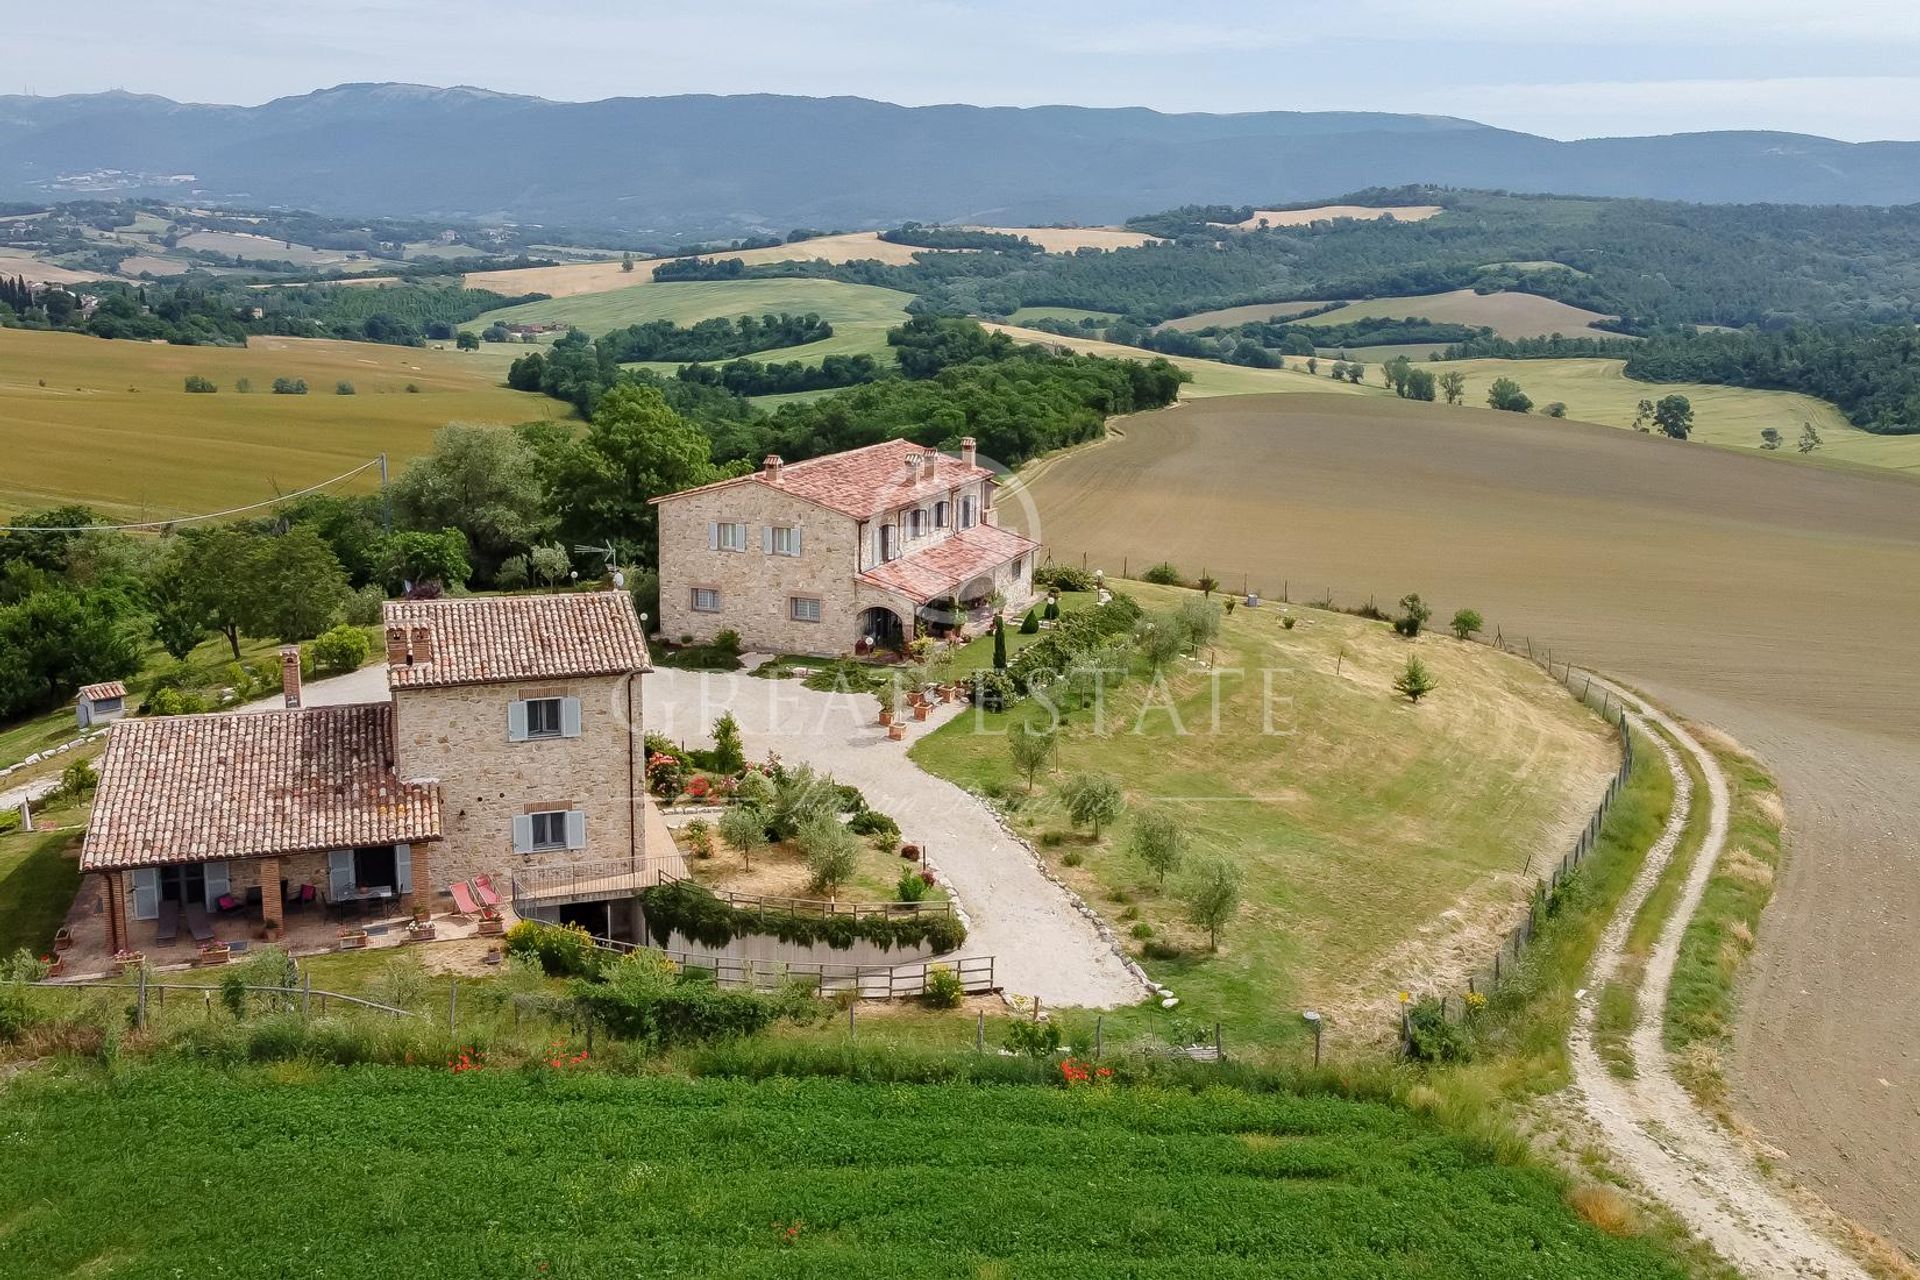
(1777,601)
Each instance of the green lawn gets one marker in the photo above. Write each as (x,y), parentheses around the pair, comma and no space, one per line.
(295,1170)
(24,737)
(39,874)
(1359,820)
(860,314)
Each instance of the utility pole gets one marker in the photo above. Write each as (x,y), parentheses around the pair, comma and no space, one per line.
(386,497)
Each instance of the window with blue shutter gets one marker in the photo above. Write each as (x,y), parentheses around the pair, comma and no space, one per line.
(569,717)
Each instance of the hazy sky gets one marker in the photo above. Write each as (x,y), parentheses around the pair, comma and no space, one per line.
(1566,68)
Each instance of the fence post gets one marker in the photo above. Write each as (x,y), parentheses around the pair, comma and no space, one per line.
(1219,1050)
(140,1009)
(1099,1026)
(980,1033)
(1496,965)
(306,993)
(852,1031)
(453,1004)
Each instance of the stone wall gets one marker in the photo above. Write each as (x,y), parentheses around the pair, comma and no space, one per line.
(459,737)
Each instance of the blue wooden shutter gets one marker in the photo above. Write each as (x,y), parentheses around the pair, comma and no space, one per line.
(796,540)
(146,893)
(523,833)
(402,868)
(766,539)
(569,717)
(713,535)
(576,829)
(516,721)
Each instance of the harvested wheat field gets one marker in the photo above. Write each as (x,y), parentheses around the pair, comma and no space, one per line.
(1773,600)
(1328,212)
(1227,317)
(1210,377)
(1073,239)
(569,279)
(1510,315)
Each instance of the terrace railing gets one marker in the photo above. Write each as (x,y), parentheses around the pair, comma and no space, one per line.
(561,883)
(826,908)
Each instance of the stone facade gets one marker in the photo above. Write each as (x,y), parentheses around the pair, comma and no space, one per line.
(459,736)
(757,586)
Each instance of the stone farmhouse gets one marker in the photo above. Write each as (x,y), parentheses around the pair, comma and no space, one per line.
(843,553)
(509,747)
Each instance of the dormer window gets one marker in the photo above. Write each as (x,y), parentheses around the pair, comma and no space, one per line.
(889,542)
(916,523)
(942,513)
(967,513)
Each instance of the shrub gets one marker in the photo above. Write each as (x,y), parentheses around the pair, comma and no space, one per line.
(343,388)
(692,911)
(243,385)
(1033,1037)
(1162,574)
(362,608)
(994,690)
(1200,620)
(175,702)
(1431,1037)
(912,886)
(944,989)
(1073,857)
(1142,931)
(1466,622)
(1413,615)
(200,386)
(699,835)
(800,796)
(744,828)
(728,755)
(1062,577)
(1207,583)
(341,649)
(1415,681)
(514,573)
(1030,625)
(882,828)
(1506,394)
(289,386)
(1555,410)
(564,951)
(643,998)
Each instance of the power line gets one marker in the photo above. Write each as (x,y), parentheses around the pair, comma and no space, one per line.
(380,462)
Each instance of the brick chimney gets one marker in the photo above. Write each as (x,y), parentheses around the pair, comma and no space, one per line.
(966,451)
(926,466)
(422,649)
(772,468)
(396,646)
(290,675)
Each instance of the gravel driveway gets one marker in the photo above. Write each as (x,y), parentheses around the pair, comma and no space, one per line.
(1041,944)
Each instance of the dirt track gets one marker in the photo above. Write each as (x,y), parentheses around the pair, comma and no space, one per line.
(1777,601)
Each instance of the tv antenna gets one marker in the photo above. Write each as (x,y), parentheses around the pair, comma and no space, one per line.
(610,554)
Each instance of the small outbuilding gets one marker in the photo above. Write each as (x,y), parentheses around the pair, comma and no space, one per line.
(101,703)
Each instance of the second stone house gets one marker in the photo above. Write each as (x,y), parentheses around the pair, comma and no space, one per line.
(842,553)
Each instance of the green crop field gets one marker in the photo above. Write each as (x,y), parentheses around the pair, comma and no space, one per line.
(1599,391)
(860,314)
(1378,839)
(297,1170)
(108,423)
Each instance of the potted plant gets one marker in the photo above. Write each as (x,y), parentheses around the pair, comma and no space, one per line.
(491,923)
(886,713)
(896,732)
(352,937)
(212,953)
(62,938)
(420,930)
(126,961)
(920,709)
(56,965)
(493,955)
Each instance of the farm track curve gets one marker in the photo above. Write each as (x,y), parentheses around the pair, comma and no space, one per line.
(1654,1128)
(1774,600)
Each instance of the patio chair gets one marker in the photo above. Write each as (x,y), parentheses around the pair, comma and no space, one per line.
(168,928)
(463,903)
(197,923)
(484,890)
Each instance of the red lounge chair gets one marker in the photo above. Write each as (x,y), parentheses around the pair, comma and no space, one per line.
(463,903)
(483,886)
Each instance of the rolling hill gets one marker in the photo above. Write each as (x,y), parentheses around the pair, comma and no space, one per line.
(646,164)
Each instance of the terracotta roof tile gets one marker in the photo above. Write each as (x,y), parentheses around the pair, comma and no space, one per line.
(106,689)
(949,564)
(197,788)
(486,639)
(862,483)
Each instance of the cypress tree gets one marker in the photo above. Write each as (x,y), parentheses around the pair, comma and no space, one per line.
(999,644)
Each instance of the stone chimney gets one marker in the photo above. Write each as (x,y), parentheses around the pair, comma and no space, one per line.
(290,675)
(926,467)
(773,465)
(396,646)
(966,451)
(422,646)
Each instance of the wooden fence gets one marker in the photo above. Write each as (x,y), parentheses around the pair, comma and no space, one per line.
(825,908)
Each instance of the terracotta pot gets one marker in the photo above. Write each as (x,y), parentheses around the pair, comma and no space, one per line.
(492,928)
(886,715)
(896,731)
(920,710)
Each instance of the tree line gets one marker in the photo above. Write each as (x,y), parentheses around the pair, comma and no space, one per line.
(713,339)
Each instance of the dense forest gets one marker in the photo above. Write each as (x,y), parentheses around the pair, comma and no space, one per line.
(925,237)
(715,339)
(1872,373)
(752,378)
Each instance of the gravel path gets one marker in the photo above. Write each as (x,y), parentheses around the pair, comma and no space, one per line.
(1674,1149)
(1042,945)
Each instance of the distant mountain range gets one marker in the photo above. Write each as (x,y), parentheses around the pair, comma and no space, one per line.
(703,165)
